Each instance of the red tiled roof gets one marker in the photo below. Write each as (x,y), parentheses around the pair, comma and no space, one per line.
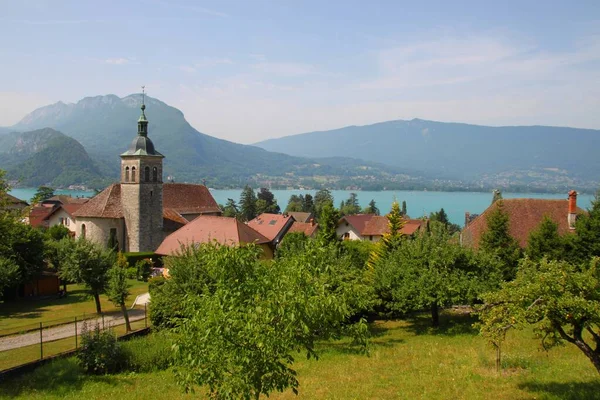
(525,215)
(106,204)
(189,199)
(65,199)
(70,208)
(270,225)
(305,227)
(379,226)
(38,215)
(206,229)
(172,220)
(178,198)
(358,221)
(14,200)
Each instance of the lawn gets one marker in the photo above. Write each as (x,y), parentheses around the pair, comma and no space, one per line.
(407,360)
(25,314)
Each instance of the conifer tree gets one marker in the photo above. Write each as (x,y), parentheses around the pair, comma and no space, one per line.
(231,209)
(391,240)
(545,242)
(403,212)
(248,204)
(266,202)
(371,208)
(308,204)
(322,198)
(497,240)
(328,224)
(295,203)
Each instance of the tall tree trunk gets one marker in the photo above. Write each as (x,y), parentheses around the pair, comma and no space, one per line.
(435,315)
(98,307)
(126,316)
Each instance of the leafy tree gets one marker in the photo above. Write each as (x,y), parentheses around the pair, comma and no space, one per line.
(246,322)
(545,242)
(231,209)
(403,212)
(442,217)
(57,232)
(328,224)
(322,198)
(390,240)
(266,202)
(371,208)
(497,240)
(4,188)
(248,204)
(86,263)
(117,290)
(295,204)
(350,206)
(586,241)
(308,204)
(292,243)
(42,193)
(430,272)
(560,300)
(9,274)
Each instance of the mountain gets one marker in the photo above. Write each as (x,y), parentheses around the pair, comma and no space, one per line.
(460,151)
(105,125)
(47,157)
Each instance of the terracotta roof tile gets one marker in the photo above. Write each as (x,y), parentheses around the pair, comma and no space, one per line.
(271,225)
(172,220)
(358,221)
(378,226)
(106,204)
(189,199)
(38,215)
(525,215)
(301,216)
(305,227)
(206,229)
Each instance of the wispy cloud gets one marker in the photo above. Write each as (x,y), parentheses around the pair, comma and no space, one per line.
(119,61)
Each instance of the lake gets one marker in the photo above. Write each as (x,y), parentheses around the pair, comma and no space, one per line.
(418,203)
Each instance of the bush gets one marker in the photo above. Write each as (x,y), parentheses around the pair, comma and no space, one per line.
(100,353)
(144,269)
(149,353)
(131,272)
(133,258)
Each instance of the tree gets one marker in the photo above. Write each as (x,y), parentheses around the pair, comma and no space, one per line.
(322,198)
(295,204)
(248,204)
(430,272)
(560,300)
(231,209)
(403,212)
(117,290)
(308,204)
(371,208)
(4,188)
(545,242)
(266,202)
(497,240)
(86,263)
(350,206)
(246,322)
(585,244)
(328,224)
(43,193)
(390,240)
(442,217)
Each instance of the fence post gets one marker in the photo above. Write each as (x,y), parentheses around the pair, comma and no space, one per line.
(145,317)
(103,322)
(41,344)
(75,333)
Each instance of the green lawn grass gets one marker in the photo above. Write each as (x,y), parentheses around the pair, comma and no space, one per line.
(22,315)
(407,360)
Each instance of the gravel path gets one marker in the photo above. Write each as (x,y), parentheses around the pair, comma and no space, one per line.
(65,331)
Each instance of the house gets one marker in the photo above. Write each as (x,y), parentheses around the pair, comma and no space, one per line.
(208,229)
(11,203)
(272,226)
(310,228)
(525,215)
(301,216)
(57,210)
(140,211)
(372,227)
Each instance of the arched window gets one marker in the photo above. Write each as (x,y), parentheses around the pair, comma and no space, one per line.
(132,174)
(126,174)
(83,231)
(147,174)
(154,174)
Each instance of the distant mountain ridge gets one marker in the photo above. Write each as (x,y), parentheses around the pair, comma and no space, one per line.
(105,125)
(47,157)
(458,151)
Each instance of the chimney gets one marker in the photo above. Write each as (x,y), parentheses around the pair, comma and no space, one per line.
(572,216)
(467,218)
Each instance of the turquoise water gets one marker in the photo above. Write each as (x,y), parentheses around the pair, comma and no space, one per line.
(418,203)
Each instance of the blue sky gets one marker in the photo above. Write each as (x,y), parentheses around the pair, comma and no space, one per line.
(251,70)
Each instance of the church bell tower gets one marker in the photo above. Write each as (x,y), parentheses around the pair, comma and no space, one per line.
(142,190)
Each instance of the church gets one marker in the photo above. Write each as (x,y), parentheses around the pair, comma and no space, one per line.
(140,211)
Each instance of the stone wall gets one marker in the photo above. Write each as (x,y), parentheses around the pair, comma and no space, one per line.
(97,230)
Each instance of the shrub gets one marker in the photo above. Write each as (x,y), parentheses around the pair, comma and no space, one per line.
(133,258)
(144,269)
(100,353)
(149,353)
(131,273)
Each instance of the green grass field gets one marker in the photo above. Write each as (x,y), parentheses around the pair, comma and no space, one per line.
(22,315)
(408,360)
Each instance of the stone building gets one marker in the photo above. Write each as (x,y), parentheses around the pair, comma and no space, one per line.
(140,211)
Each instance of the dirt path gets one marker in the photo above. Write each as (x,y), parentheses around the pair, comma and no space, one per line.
(65,331)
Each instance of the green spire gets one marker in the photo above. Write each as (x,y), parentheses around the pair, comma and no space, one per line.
(142,121)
